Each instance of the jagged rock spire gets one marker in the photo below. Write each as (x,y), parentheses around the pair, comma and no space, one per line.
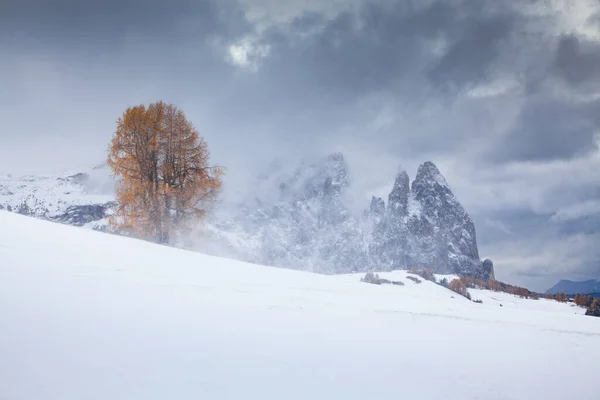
(398,198)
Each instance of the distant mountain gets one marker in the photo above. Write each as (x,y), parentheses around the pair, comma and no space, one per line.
(298,219)
(425,226)
(81,199)
(591,286)
(301,220)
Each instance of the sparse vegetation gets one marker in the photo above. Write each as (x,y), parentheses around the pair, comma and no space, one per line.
(459,287)
(498,286)
(494,285)
(561,297)
(426,274)
(594,308)
(583,300)
(373,278)
(463,283)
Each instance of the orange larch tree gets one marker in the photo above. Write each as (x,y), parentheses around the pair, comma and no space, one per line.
(163,172)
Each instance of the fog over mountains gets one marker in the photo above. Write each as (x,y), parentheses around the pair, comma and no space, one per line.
(299,219)
(303,220)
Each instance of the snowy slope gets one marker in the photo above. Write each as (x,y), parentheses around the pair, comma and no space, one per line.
(76,199)
(88,315)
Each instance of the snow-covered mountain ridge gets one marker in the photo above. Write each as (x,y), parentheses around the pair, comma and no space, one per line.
(299,219)
(302,220)
(80,199)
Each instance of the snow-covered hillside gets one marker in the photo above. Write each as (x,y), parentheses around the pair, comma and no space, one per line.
(81,199)
(88,315)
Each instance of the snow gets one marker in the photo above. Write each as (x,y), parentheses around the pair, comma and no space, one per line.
(414,207)
(88,315)
(440,180)
(50,196)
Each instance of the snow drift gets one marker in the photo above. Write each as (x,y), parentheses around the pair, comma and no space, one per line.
(88,315)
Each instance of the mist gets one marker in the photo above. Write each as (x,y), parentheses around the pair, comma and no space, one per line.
(504,98)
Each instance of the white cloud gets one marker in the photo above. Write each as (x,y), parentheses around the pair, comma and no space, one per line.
(540,262)
(543,187)
(572,17)
(576,211)
(494,88)
(247,53)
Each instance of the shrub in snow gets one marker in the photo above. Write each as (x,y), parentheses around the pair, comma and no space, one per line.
(519,291)
(473,283)
(562,297)
(370,277)
(459,287)
(426,274)
(583,300)
(494,285)
(594,308)
(478,301)
(414,279)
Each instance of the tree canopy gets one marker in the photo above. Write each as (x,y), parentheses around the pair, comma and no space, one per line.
(163,172)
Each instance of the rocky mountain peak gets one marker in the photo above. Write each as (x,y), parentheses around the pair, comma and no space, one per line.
(425,226)
(324,178)
(398,197)
(430,181)
(377,207)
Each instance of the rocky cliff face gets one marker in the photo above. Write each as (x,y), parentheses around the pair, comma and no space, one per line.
(308,226)
(425,226)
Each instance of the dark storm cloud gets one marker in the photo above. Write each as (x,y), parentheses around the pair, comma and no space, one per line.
(319,71)
(587,225)
(104,24)
(468,60)
(578,61)
(550,129)
(383,44)
(163,42)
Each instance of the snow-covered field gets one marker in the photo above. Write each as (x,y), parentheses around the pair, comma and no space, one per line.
(87,315)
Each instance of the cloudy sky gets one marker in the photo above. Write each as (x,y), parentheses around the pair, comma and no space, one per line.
(504,96)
